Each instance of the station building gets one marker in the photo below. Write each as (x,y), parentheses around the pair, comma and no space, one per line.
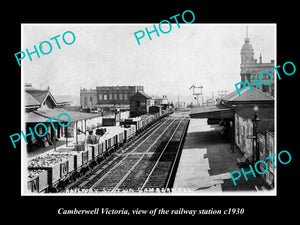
(236,113)
(40,105)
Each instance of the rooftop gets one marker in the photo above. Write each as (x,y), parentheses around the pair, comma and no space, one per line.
(29,100)
(247,95)
(39,95)
(142,93)
(36,97)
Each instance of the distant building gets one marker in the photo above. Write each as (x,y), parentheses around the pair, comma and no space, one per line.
(250,68)
(116,96)
(88,98)
(157,100)
(139,104)
(210,101)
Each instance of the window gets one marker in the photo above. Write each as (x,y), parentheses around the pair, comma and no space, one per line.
(125,97)
(110,97)
(100,97)
(120,96)
(105,97)
(115,97)
(85,101)
(91,99)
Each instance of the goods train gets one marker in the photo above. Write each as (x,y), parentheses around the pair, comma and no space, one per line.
(52,172)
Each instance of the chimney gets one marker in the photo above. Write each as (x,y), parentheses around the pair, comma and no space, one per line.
(27,85)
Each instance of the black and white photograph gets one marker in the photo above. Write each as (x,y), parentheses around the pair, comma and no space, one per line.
(164,109)
(134,112)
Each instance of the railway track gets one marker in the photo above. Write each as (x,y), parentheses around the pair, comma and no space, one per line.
(157,169)
(112,180)
(147,162)
(102,168)
(162,172)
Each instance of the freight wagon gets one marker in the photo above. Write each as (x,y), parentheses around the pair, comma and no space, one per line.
(53,171)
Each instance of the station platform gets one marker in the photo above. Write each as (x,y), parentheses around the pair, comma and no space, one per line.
(207,160)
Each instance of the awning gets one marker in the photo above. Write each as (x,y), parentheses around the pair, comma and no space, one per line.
(212,112)
(41,115)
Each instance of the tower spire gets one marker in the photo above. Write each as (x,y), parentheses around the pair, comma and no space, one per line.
(246,31)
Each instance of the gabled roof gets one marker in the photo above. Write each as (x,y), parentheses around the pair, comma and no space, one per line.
(36,97)
(142,93)
(248,96)
(30,101)
(39,95)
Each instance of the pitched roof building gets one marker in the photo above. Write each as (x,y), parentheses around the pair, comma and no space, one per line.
(139,104)
(36,98)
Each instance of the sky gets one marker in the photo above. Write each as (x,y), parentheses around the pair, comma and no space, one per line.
(108,54)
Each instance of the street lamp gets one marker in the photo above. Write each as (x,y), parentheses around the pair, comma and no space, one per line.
(255,121)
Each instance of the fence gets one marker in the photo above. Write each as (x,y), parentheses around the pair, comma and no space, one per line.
(266,149)
(243,128)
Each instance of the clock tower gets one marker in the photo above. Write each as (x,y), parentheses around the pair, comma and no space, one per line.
(247,58)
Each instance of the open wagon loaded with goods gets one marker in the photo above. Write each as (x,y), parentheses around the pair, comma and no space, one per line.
(37,180)
(142,122)
(117,134)
(129,132)
(53,171)
(57,167)
(84,157)
(97,151)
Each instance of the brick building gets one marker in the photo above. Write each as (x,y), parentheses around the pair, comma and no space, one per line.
(116,95)
(108,96)
(139,104)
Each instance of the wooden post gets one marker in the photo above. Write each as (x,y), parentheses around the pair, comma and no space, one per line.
(66,135)
(76,132)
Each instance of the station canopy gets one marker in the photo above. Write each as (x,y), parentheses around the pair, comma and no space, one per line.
(212,112)
(225,109)
(41,115)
